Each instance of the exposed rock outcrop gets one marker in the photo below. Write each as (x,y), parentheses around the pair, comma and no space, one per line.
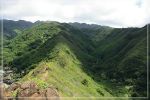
(27,91)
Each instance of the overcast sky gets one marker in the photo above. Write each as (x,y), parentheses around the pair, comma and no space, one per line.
(116,13)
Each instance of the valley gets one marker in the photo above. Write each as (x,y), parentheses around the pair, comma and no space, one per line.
(76,59)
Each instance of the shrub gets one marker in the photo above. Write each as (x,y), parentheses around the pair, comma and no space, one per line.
(100,92)
(84,82)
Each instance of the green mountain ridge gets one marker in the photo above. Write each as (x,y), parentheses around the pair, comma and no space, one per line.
(11,28)
(55,52)
(76,63)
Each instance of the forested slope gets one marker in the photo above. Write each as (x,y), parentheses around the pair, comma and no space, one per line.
(91,60)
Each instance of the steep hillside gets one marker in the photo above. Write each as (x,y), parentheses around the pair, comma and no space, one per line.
(122,57)
(80,59)
(63,70)
(55,54)
(11,28)
(28,40)
(95,32)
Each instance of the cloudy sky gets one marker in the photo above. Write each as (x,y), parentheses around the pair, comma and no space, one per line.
(116,13)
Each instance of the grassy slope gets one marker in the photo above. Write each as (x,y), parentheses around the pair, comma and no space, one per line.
(65,73)
(59,55)
(56,57)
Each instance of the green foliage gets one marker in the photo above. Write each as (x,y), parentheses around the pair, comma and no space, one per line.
(85,82)
(100,92)
(79,60)
(41,84)
(14,93)
(124,57)
(12,28)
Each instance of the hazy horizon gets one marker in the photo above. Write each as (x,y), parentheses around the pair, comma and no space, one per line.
(113,13)
(78,22)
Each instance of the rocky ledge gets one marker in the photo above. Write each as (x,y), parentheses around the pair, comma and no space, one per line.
(27,91)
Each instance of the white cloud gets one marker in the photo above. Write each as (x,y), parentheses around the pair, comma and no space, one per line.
(117,13)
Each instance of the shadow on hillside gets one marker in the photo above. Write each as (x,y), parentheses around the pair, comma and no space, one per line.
(79,45)
(27,61)
(130,38)
(24,62)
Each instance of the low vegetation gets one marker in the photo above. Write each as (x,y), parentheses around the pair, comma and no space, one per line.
(80,61)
